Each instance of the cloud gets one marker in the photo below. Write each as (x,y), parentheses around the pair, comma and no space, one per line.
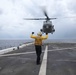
(1,12)
(12,12)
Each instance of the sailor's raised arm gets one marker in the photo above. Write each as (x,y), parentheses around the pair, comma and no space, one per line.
(45,37)
(32,36)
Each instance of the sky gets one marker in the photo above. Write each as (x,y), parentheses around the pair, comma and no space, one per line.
(13,12)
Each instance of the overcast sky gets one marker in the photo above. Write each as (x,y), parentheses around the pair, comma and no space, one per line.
(13,26)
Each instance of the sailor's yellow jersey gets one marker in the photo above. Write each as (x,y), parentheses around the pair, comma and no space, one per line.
(38,39)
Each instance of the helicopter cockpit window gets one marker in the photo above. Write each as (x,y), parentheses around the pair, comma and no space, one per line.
(44,26)
(49,26)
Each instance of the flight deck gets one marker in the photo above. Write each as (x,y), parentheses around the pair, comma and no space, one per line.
(56,59)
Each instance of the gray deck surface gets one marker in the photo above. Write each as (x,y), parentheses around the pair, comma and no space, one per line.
(60,61)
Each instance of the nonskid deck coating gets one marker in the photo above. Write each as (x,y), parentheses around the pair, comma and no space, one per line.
(59,62)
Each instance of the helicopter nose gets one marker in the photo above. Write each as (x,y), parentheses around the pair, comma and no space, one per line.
(47,26)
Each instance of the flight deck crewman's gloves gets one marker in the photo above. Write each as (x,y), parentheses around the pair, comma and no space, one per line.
(32,32)
(46,33)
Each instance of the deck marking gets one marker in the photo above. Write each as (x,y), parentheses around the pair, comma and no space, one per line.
(66,60)
(3,51)
(14,54)
(61,49)
(44,63)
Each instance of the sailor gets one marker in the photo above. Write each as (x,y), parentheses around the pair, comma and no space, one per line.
(38,44)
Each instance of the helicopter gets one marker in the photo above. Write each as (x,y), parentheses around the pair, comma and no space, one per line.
(48,27)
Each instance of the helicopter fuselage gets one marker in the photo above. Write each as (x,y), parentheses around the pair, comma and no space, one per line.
(48,27)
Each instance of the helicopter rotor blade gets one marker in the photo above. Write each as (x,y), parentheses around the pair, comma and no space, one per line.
(45,13)
(34,18)
(39,18)
(48,18)
(69,17)
(52,18)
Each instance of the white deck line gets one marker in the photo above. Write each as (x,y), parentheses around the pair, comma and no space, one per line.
(11,49)
(14,54)
(44,63)
(25,45)
(61,49)
(66,60)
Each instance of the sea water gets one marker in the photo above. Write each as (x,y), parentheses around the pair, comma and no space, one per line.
(12,43)
(60,41)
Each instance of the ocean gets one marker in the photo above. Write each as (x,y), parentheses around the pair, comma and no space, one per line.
(14,43)
(60,41)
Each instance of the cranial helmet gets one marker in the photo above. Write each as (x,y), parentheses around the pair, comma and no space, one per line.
(39,33)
